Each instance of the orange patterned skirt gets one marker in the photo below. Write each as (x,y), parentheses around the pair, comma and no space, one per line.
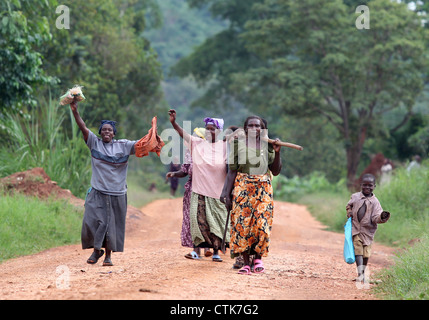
(251,214)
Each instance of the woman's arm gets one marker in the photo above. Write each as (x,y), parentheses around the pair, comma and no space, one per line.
(79,121)
(175,174)
(226,195)
(276,166)
(182,133)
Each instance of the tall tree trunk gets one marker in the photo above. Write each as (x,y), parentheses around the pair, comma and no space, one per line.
(354,152)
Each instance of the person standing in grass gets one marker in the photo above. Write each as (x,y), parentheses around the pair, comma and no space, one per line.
(103,224)
(366,213)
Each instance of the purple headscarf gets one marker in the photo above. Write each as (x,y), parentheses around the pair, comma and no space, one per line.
(215,121)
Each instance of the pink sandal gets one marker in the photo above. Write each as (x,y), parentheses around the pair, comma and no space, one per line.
(258,264)
(245,270)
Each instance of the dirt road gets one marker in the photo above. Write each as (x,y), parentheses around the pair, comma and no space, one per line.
(305,262)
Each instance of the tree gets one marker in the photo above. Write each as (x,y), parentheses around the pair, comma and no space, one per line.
(308,59)
(323,65)
(22,31)
(213,64)
(320,64)
(104,51)
(221,55)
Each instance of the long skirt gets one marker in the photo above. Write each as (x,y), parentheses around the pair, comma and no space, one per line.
(103,224)
(208,219)
(185,235)
(251,214)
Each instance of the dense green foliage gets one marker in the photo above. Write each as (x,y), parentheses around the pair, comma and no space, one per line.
(21,71)
(307,59)
(37,140)
(107,50)
(103,50)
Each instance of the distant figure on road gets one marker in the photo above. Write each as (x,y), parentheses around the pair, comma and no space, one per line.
(415,164)
(386,172)
(174,181)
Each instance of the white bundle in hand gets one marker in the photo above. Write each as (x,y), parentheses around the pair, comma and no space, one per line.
(73,94)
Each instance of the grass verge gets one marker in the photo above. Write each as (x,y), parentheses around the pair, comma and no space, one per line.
(29,225)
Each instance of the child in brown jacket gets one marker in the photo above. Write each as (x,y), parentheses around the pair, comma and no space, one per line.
(366,213)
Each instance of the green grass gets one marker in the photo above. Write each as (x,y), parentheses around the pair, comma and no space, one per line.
(406,197)
(328,208)
(29,225)
(408,279)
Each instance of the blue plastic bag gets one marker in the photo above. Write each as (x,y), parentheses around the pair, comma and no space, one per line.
(349,250)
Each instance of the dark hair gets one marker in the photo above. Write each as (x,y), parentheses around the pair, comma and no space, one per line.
(368,176)
(232,128)
(263,123)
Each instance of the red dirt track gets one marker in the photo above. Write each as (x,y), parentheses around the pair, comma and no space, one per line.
(305,262)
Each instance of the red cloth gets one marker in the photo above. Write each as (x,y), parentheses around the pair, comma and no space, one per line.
(150,142)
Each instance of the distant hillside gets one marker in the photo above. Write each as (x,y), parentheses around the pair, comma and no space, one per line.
(183,28)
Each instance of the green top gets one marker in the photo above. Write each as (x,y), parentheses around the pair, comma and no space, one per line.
(249,160)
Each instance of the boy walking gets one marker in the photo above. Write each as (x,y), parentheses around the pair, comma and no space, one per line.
(366,213)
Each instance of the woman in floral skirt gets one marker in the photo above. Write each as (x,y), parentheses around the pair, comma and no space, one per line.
(248,193)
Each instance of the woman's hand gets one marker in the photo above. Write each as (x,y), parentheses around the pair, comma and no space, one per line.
(228,203)
(276,147)
(169,175)
(276,166)
(73,105)
(226,195)
(182,133)
(226,200)
(172,114)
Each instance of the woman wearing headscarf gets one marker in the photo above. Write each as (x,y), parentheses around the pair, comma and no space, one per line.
(103,224)
(186,170)
(248,193)
(207,213)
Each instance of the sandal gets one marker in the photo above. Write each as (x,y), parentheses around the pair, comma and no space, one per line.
(107,262)
(93,259)
(239,263)
(216,258)
(193,255)
(245,270)
(258,264)
(207,252)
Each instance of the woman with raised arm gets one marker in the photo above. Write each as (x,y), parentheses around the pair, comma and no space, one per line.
(207,213)
(186,170)
(103,223)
